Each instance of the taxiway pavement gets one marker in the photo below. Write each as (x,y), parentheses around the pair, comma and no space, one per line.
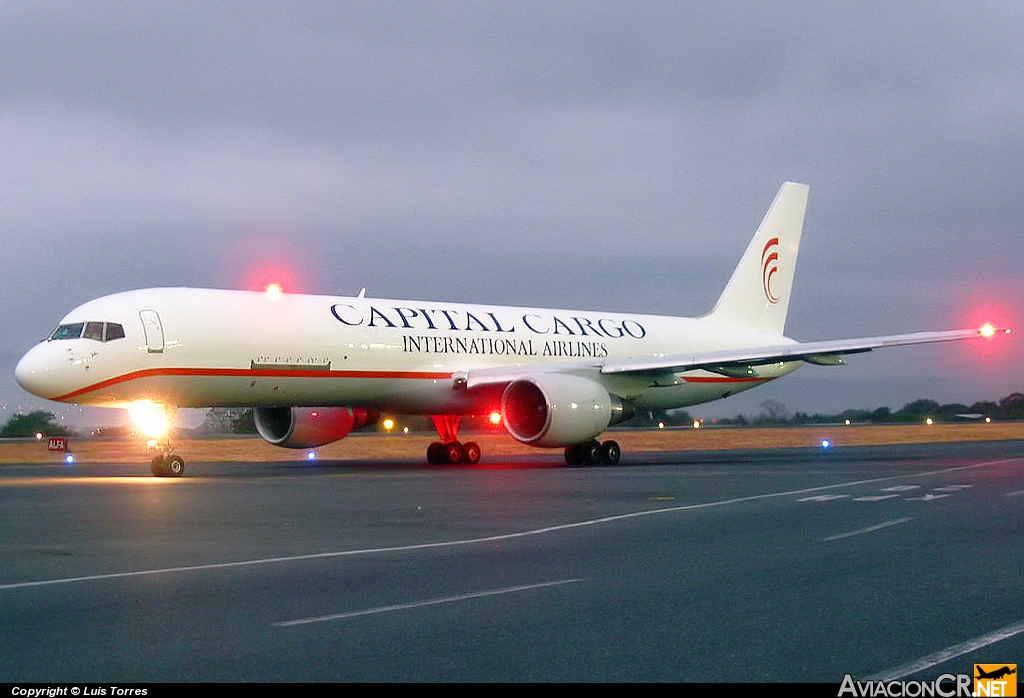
(785,565)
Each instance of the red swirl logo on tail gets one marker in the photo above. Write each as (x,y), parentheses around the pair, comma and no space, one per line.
(769,265)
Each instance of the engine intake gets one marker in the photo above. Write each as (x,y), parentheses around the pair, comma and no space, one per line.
(558,409)
(308,427)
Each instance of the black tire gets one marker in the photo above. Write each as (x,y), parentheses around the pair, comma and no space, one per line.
(471,453)
(592,452)
(452,452)
(574,455)
(158,466)
(434,454)
(175,466)
(610,453)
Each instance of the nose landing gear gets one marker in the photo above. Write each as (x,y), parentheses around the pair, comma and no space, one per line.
(165,463)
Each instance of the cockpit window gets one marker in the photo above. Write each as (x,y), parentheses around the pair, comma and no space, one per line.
(113,331)
(99,331)
(93,330)
(73,331)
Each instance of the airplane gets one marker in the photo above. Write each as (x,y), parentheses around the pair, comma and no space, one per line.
(996,673)
(313,368)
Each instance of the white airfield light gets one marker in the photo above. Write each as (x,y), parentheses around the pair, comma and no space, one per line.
(331,365)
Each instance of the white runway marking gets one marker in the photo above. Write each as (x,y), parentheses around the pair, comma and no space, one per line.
(950,653)
(869,529)
(420,604)
(486,539)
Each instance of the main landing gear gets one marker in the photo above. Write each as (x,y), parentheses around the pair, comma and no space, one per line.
(165,463)
(593,452)
(449,450)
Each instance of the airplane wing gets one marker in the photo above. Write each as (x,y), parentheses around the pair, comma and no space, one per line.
(736,363)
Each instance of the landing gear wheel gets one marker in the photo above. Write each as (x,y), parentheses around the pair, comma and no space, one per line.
(471,453)
(593,452)
(165,465)
(574,455)
(158,466)
(610,453)
(434,454)
(453,452)
(175,466)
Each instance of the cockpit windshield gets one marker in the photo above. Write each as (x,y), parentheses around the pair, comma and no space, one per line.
(98,331)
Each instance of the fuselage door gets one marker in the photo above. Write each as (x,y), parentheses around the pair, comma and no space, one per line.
(154,330)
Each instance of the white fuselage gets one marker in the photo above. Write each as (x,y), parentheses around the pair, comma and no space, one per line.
(205,348)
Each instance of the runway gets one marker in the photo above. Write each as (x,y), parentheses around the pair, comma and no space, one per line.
(783,565)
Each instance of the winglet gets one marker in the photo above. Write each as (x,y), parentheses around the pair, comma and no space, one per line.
(758,293)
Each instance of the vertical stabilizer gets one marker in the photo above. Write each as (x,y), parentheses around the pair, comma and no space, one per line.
(757,295)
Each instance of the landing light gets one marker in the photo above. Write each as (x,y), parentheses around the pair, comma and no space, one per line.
(150,418)
(826,444)
(69,459)
(311,455)
(495,418)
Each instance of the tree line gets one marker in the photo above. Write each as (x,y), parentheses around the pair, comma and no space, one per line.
(240,421)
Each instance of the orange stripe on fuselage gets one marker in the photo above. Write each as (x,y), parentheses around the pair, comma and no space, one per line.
(726,379)
(247,373)
(313,373)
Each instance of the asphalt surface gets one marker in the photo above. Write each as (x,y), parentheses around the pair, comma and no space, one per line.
(789,565)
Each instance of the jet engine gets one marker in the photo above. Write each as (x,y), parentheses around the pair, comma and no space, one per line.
(308,427)
(558,409)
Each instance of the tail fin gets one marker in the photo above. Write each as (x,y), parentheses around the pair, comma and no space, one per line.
(757,295)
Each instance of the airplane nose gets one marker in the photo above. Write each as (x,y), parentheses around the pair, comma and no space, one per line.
(36,373)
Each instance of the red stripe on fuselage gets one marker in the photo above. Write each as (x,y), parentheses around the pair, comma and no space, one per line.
(726,379)
(247,373)
(312,373)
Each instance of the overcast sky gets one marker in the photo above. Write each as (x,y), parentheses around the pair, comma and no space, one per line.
(594,155)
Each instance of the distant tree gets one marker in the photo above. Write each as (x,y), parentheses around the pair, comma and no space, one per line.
(774,413)
(917,410)
(39,421)
(854,416)
(921,407)
(881,415)
(229,420)
(987,408)
(244,422)
(1012,406)
(950,411)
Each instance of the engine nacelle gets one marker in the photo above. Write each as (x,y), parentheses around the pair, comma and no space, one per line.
(558,409)
(308,427)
